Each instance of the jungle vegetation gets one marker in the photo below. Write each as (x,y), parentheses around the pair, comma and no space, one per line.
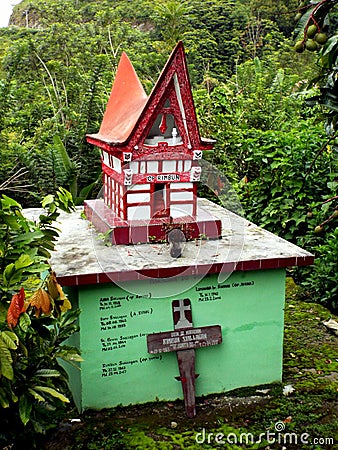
(264,79)
(254,93)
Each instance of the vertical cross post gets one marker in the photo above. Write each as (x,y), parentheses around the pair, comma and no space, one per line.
(185,358)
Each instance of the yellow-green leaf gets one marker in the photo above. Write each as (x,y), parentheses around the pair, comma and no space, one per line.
(69,355)
(36,395)
(52,392)
(23,261)
(6,362)
(24,322)
(4,403)
(47,373)
(10,339)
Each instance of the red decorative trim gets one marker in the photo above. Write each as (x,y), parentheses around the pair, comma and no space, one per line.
(168,272)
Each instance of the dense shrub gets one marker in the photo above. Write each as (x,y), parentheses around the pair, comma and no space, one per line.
(280,161)
(35,321)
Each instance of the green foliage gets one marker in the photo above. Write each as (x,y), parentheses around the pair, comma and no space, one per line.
(316,22)
(321,283)
(284,192)
(278,191)
(34,323)
(58,63)
(277,155)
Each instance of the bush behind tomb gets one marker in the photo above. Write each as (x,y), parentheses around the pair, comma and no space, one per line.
(281,162)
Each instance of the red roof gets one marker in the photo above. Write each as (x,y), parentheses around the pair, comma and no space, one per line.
(129,109)
(126,102)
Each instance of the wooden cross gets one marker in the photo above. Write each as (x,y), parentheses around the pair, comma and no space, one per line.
(184,340)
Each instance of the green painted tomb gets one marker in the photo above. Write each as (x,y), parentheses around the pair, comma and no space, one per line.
(125,292)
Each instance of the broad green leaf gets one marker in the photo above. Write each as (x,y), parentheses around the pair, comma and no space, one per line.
(8,201)
(69,317)
(52,392)
(25,409)
(47,200)
(61,149)
(23,349)
(4,402)
(332,184)
(23,261)
(37,268)
(6,361)
(24,322)
(10,339)
(330,45)
(69,354)
(11,221)
(36,395)
(86,191)
(8,273)
(29,237)
(47,373)
(65,200)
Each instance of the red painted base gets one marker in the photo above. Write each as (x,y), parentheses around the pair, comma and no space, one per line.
(149,231)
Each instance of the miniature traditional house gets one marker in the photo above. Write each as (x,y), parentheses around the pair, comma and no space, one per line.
(150,147)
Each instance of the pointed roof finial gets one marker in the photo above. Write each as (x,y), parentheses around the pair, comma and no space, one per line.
(126,101)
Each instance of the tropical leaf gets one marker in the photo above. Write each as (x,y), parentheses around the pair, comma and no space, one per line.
(68,166)
(62,152)
(53,392)
(87,190)
(56,292)
(10,339)
(23,261)
(330,45)
(69,318)
(47,200)
(16,307)
(41,301)
(69,354)
(299,30)
(6,362)
(52,286)
(24,322)
(66,305)
(4,402)
(10,202)
(8,273)
(28,237)
(36,395)
(65,200)
(25,409)
(47,373)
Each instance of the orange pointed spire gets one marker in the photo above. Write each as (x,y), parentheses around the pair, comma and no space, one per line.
(126,101)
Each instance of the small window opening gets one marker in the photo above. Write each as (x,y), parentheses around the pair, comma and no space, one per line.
(164,129)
